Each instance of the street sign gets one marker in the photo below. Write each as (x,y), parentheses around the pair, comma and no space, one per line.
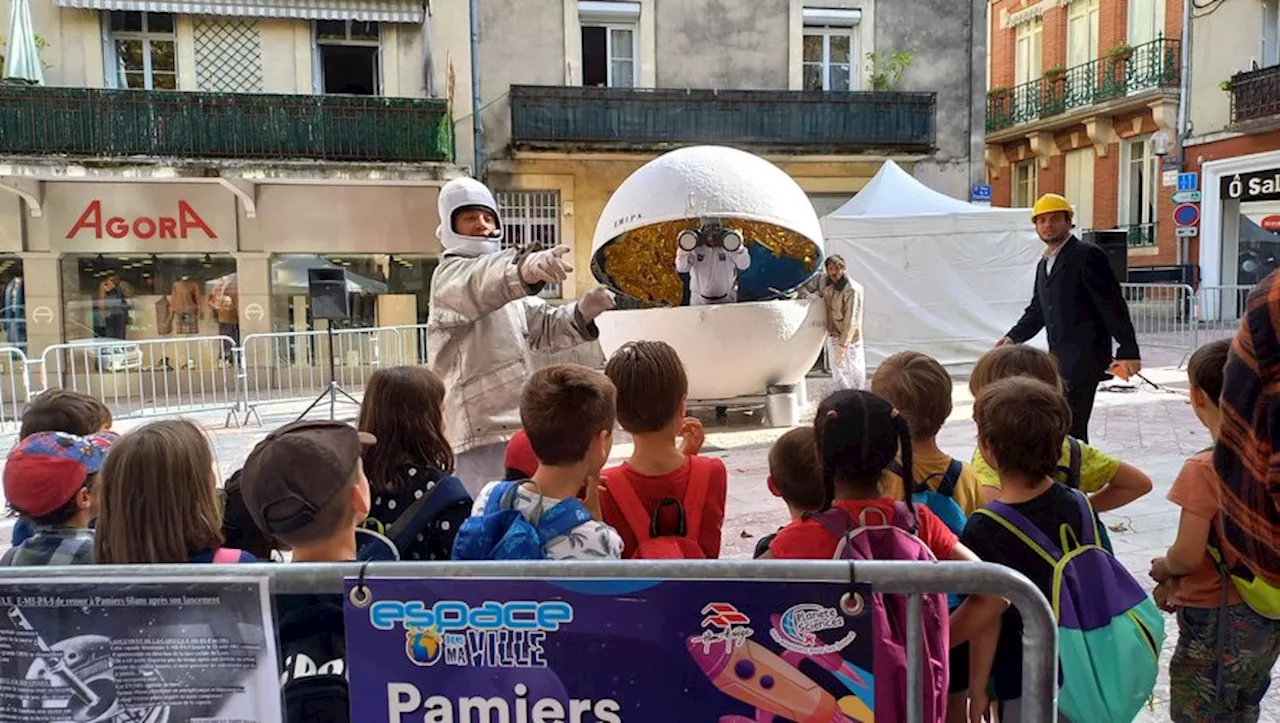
(981,192)
(1169,178)
(1186,214)
(1186,197)
(1185,231)
(1189,181)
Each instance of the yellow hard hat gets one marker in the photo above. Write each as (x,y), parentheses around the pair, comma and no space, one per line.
(1050,203)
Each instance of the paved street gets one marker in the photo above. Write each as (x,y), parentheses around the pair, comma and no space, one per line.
(1152,429)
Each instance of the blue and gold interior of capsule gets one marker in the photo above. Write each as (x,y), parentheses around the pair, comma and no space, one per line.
(640,264)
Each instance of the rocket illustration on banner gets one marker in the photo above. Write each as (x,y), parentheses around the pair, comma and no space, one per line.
(772,684)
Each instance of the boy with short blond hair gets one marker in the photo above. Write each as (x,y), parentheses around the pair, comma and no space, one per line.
(652,391)
(920,388)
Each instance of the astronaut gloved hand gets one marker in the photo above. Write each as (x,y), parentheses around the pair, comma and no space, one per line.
(546,267)
(595,302)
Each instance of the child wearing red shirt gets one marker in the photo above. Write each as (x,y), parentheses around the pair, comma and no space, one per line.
(652,389)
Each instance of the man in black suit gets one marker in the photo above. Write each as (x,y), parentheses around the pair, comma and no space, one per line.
(1077,301)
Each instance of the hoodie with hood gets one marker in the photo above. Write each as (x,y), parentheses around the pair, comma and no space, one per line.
(483,324)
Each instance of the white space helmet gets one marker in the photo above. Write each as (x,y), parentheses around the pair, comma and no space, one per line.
(459,194)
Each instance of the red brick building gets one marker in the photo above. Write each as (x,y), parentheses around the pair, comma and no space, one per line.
(1083,101)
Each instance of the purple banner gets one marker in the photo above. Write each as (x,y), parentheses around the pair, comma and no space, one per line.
(606,651)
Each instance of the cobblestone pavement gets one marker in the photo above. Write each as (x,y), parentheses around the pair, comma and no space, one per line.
(1153,429)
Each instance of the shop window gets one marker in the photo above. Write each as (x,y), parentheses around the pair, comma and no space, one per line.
(1139,189)
(347,59)
(138,297)
(383,290)
(1024,184)
(609,31)
(828,52)
(531,218)
(1026,59)
(141,51)
(13,307)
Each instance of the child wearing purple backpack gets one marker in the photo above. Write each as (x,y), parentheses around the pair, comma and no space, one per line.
(858,436)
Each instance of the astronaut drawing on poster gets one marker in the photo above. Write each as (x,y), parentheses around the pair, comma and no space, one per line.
(143,651)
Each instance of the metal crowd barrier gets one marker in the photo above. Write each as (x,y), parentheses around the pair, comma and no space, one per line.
(146,378)
(15,388)
(1039,636)
(1219,310)
(1164,319)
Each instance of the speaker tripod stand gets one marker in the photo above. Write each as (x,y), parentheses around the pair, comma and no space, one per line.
(334,390)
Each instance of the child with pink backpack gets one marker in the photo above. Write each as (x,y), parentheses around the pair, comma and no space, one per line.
(858,436)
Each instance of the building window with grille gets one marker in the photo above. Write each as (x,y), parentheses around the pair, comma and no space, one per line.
(1026,58)
(829,54)
(531,218)
(1139,186)
(609,43)
(347,56)
(141,51)
(1024,184)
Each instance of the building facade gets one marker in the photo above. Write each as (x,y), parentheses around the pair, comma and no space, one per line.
(1083,101)
(1234,143)
(187,162)
(577,94)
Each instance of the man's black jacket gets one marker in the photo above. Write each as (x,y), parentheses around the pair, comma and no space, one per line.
(1081,308)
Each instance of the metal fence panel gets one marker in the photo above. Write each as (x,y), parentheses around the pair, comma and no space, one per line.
(1039,637)
(1164,319)
(1219,310)
(147,378)
(15,388)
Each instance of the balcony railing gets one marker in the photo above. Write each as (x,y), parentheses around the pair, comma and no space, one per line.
(1255,94)
(1139,235)
(628,118)
(1131,70)
(89,122)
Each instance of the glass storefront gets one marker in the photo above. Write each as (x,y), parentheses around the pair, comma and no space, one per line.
(13,315)
(1259,240)
(382,289)
(143,297)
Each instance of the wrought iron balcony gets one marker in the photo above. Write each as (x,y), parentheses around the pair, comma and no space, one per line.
(90,122)
(1255,94)
(1124,72)
(564,117)
(1141,235)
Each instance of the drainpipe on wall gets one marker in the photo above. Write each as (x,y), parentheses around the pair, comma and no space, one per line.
(477,131)
(1184,114)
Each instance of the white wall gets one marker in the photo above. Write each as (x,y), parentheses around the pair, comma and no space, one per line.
(1223,43)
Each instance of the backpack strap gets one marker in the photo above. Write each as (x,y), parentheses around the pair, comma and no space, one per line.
(1072,469)
(1022,528)
(502,496)
(951,478)
(629,504)
(695,494)
(1088,520)
(904,518)
(561,518)
(442,492)
(226,556)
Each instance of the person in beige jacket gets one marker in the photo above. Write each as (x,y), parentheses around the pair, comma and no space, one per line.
(486,319)
(842,297)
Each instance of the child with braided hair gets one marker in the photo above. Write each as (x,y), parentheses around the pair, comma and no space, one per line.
(858,436)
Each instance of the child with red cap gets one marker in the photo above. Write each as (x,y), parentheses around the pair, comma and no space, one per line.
(521,462)
(49,478)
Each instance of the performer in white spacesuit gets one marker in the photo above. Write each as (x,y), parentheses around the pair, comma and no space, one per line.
(712,256)
(484,321)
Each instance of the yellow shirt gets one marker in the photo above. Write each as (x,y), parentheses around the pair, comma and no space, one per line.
(968,493)
(1096,468)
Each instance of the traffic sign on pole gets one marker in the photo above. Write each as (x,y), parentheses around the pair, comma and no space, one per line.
(1185,231)
(1186,214)
(1186,197)
(1189,181)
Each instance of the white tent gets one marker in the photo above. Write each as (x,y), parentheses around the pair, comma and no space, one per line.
(942,276)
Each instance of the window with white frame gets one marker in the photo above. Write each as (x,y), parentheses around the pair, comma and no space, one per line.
(1146,21)
(1026,58)
(531,218)
(829,54)
(1139,183)
(1024,184)
(609,46)
(1082,32)
(1078,184)
(1270,33)
(141,51)
(348,58)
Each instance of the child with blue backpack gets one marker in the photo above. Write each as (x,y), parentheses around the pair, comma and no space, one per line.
(1109,630)
(920,388)
(568,412)
(1221,667)
(858,435)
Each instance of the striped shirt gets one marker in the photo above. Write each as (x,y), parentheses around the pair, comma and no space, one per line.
(52,546)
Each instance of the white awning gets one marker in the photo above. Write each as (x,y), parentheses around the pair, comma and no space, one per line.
(381,11)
